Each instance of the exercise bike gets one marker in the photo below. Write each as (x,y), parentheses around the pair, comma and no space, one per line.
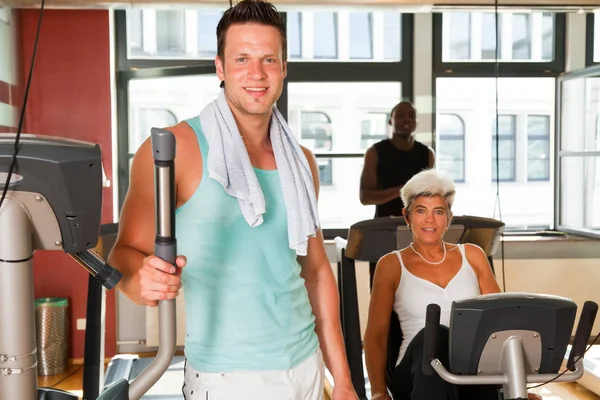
(509,340)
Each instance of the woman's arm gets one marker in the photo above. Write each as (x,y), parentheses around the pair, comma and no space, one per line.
(481,265)
(385,283)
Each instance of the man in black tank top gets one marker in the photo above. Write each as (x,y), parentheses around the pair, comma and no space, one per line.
(390,163)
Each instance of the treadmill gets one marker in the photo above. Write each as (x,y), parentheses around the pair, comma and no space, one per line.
(369,240)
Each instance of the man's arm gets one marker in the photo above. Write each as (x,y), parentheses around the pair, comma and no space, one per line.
(324,299)
(369,194)
(431,158)
(135,239)
(137,227)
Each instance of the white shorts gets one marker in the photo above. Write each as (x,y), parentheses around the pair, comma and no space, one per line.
(303,382)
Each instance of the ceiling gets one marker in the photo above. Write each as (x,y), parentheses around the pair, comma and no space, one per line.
(400,5)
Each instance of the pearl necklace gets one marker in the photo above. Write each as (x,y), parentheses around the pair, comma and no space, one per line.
(431,262)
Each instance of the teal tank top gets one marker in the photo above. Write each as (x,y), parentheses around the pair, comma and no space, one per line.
(246,305)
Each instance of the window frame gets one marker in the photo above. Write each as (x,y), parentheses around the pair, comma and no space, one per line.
(492,69)
(506,69)
(590,71)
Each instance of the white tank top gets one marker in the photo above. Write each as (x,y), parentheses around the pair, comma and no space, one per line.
(414,294)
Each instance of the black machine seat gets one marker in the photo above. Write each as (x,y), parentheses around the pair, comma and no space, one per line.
(369,240)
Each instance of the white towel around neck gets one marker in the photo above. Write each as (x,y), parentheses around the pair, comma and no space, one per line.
(229,164)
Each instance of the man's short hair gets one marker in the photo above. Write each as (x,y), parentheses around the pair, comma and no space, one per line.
(399,104)
(428,183)
(251,11)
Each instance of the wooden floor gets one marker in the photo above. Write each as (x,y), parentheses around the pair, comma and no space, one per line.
(72,380)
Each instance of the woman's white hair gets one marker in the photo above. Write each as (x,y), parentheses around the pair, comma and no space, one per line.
(428,183)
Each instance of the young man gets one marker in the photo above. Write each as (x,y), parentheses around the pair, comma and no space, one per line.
(390,163)
(261,300)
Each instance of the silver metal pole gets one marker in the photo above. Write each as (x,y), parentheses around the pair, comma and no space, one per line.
(18,361)
(513,366)
(165,247)
(502,379)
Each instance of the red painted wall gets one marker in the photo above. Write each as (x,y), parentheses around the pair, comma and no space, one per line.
(70,97)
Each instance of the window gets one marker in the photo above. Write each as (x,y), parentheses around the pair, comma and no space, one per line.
(344,36)
(373,128)
(547,36)
(392,24)
(529,47)
(538,147)
(207,38)
(361,39)
(450,129)
(460,35)
(136,41)
(144,120)
(316,127)
(325,38)
(505,153)
(580,193)
(578,177)
(316,135)
(294,34)
(170,32)
(522,37)
(523,203)
(331,119)
(488,36)
(521,40)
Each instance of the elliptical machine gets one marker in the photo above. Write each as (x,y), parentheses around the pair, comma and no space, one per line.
(52,201)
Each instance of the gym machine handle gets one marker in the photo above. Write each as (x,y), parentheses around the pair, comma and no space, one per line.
(584,329)
(165,247)
(107,275)
(432,327)
(163,150)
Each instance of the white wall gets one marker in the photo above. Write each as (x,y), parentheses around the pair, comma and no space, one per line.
(8,67)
